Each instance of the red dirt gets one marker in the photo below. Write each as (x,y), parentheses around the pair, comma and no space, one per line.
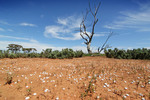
(86,78)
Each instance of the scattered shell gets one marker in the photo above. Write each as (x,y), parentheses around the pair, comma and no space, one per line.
(34,93)
(89,76)
(97,97)
(57,98)
(125,88)
(127,95)
(27,98)
(141,94)
(27,86)
(46,90)
(124,96)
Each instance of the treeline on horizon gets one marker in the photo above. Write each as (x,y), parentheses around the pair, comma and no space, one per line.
(17,51)
(139,53)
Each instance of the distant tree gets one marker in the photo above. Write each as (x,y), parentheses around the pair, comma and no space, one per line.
(28,50)
(46,53)
(14,48)
(83,28)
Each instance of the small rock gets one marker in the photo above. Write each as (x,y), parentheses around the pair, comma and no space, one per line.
(27,86)
(97,97)
(141,94)
(27,98)
(125,88)
(57,98)
(127,95)
(124,96)
(34,93)
(46,90)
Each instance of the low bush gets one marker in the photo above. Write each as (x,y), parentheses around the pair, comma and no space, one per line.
(128,54)
(79,53)
(12,55)
(48,53)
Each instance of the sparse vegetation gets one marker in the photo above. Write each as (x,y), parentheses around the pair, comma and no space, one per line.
(15,52)
(86,78)
(8,78)
(143,53)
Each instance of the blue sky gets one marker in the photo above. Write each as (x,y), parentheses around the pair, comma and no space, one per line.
(55,23)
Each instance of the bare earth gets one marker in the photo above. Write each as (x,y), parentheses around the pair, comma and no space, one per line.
(87,78)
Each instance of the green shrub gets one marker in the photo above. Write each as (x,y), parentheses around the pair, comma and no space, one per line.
(48,53)
(68,53)
(12,55)
(78,53)
(128,54)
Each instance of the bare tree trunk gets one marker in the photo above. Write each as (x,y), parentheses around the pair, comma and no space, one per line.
(83,28)
(88,48)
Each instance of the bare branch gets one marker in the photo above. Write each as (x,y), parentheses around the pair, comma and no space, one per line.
(91,9)
(96,10)
(103,46)
(83,37)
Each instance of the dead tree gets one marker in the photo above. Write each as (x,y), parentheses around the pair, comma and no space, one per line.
(83,28)
(104,46)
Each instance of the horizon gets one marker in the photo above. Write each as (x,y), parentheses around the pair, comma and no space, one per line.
(53,24)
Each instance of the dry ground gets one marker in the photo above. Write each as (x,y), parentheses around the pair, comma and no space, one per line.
(86,78)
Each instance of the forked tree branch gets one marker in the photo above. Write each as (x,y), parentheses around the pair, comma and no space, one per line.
(103,46)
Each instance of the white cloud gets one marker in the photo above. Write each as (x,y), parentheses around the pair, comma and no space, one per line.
(10,30)
(71,21)
(34,44)
(18,38)
(38,46)
(1,29)
(99,35)
(3,22)
(28,24)
(66,30)
(139,20)
(62,21)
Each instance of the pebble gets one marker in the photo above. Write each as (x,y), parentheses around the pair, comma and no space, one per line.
(127,95)
(27,98)
(27,86)
(97,97)
(114,81)
(46,90)
(125,88)
(142,86)
(124,96)
(57,98)
(34,93)
(109,90)
(141,94)
(89,76)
